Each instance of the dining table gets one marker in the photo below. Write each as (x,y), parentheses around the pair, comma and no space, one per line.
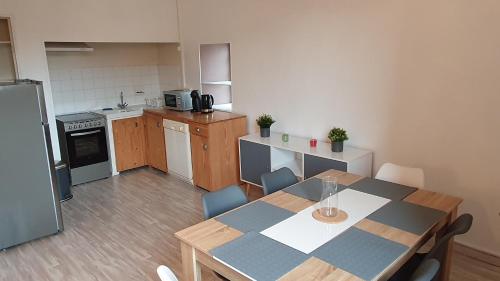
(276,237)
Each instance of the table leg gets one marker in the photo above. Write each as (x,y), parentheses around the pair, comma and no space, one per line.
(247,189)
(446,266)
(191,268)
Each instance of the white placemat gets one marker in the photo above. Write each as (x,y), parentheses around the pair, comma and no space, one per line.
(304,233)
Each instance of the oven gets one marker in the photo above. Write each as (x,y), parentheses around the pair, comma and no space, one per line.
(87,147)
(84,147)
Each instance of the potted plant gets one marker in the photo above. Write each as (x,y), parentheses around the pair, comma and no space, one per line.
(337,136)
(265,121)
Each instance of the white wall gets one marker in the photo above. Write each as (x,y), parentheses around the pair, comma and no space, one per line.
(36,21)
(415,81)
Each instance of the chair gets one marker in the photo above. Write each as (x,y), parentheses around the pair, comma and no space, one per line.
(218,202)
(460,226)
(427,271)
(413,177)
(166,274)
(278,180)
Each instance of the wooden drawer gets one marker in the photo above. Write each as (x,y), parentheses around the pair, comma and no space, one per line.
(199,130)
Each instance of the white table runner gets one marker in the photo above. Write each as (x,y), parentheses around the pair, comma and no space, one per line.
(304,233)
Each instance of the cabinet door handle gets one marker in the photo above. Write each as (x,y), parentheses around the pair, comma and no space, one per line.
(136,124)
(205,146)
(158,124)
(198,130)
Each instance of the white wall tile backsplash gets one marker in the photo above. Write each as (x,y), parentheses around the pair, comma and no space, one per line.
(82,89)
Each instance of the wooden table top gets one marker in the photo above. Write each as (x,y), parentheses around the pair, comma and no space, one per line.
(194,117)
(211,233)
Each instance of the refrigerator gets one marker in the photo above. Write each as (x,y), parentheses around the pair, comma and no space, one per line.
(29,199)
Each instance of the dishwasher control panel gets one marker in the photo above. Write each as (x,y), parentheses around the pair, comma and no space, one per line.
(175,126)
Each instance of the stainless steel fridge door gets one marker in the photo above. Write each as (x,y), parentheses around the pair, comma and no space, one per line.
(29,203)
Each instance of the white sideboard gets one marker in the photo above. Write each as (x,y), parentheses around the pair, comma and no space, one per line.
(262,155)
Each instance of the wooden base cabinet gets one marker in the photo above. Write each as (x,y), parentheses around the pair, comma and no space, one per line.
(156,154)
(130,143)
(200,155)
(214,153)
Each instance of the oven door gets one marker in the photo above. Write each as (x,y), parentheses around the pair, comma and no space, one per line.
(87,147)
(170,100)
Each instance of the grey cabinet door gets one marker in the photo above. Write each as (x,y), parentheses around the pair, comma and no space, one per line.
(314,165)
(255,160)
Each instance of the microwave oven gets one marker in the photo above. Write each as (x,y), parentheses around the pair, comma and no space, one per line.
(179,100)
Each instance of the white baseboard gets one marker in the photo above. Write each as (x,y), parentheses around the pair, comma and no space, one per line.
(478,248)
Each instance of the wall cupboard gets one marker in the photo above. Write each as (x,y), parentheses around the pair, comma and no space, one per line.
(8,70)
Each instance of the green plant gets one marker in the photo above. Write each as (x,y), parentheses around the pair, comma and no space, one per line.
(265,121)
(337,135)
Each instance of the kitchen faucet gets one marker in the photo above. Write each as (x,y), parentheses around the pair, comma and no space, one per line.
(122,104)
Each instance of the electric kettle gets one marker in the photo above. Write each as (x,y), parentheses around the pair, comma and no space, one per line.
(196,100)
(207,101)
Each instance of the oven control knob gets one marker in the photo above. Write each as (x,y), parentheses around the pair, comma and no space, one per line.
(80,126)
(70,127)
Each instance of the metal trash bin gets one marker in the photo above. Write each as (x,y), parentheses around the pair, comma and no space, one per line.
(63,181)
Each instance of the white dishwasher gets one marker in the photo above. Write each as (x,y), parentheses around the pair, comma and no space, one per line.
(178,145)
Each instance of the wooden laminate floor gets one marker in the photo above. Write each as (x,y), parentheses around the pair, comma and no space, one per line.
(122,228)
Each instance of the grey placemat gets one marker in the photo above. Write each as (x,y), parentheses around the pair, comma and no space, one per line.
(382,188)
(255,217)
(259,257)
(310,189)
(407,216)
(360,253)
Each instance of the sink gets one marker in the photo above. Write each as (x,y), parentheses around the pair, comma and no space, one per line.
(125,112)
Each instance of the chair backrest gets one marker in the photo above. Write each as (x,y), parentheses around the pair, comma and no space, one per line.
(402,175)
(218,202)
(426,271)
(460,226)
(277,180)
(166,274)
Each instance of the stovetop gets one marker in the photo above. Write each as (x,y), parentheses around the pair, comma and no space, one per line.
(81,121)
(85,116)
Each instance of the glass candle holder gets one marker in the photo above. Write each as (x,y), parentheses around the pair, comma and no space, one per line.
(329,197)
(313,142)
(284,137)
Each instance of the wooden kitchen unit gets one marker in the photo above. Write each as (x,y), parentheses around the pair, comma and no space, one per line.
(156,154)
(214,145)
(130,143)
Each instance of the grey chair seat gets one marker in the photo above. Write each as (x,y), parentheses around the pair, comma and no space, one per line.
(427,271)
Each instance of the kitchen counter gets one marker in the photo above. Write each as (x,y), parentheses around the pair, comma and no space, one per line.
(191,117)
(184,117)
